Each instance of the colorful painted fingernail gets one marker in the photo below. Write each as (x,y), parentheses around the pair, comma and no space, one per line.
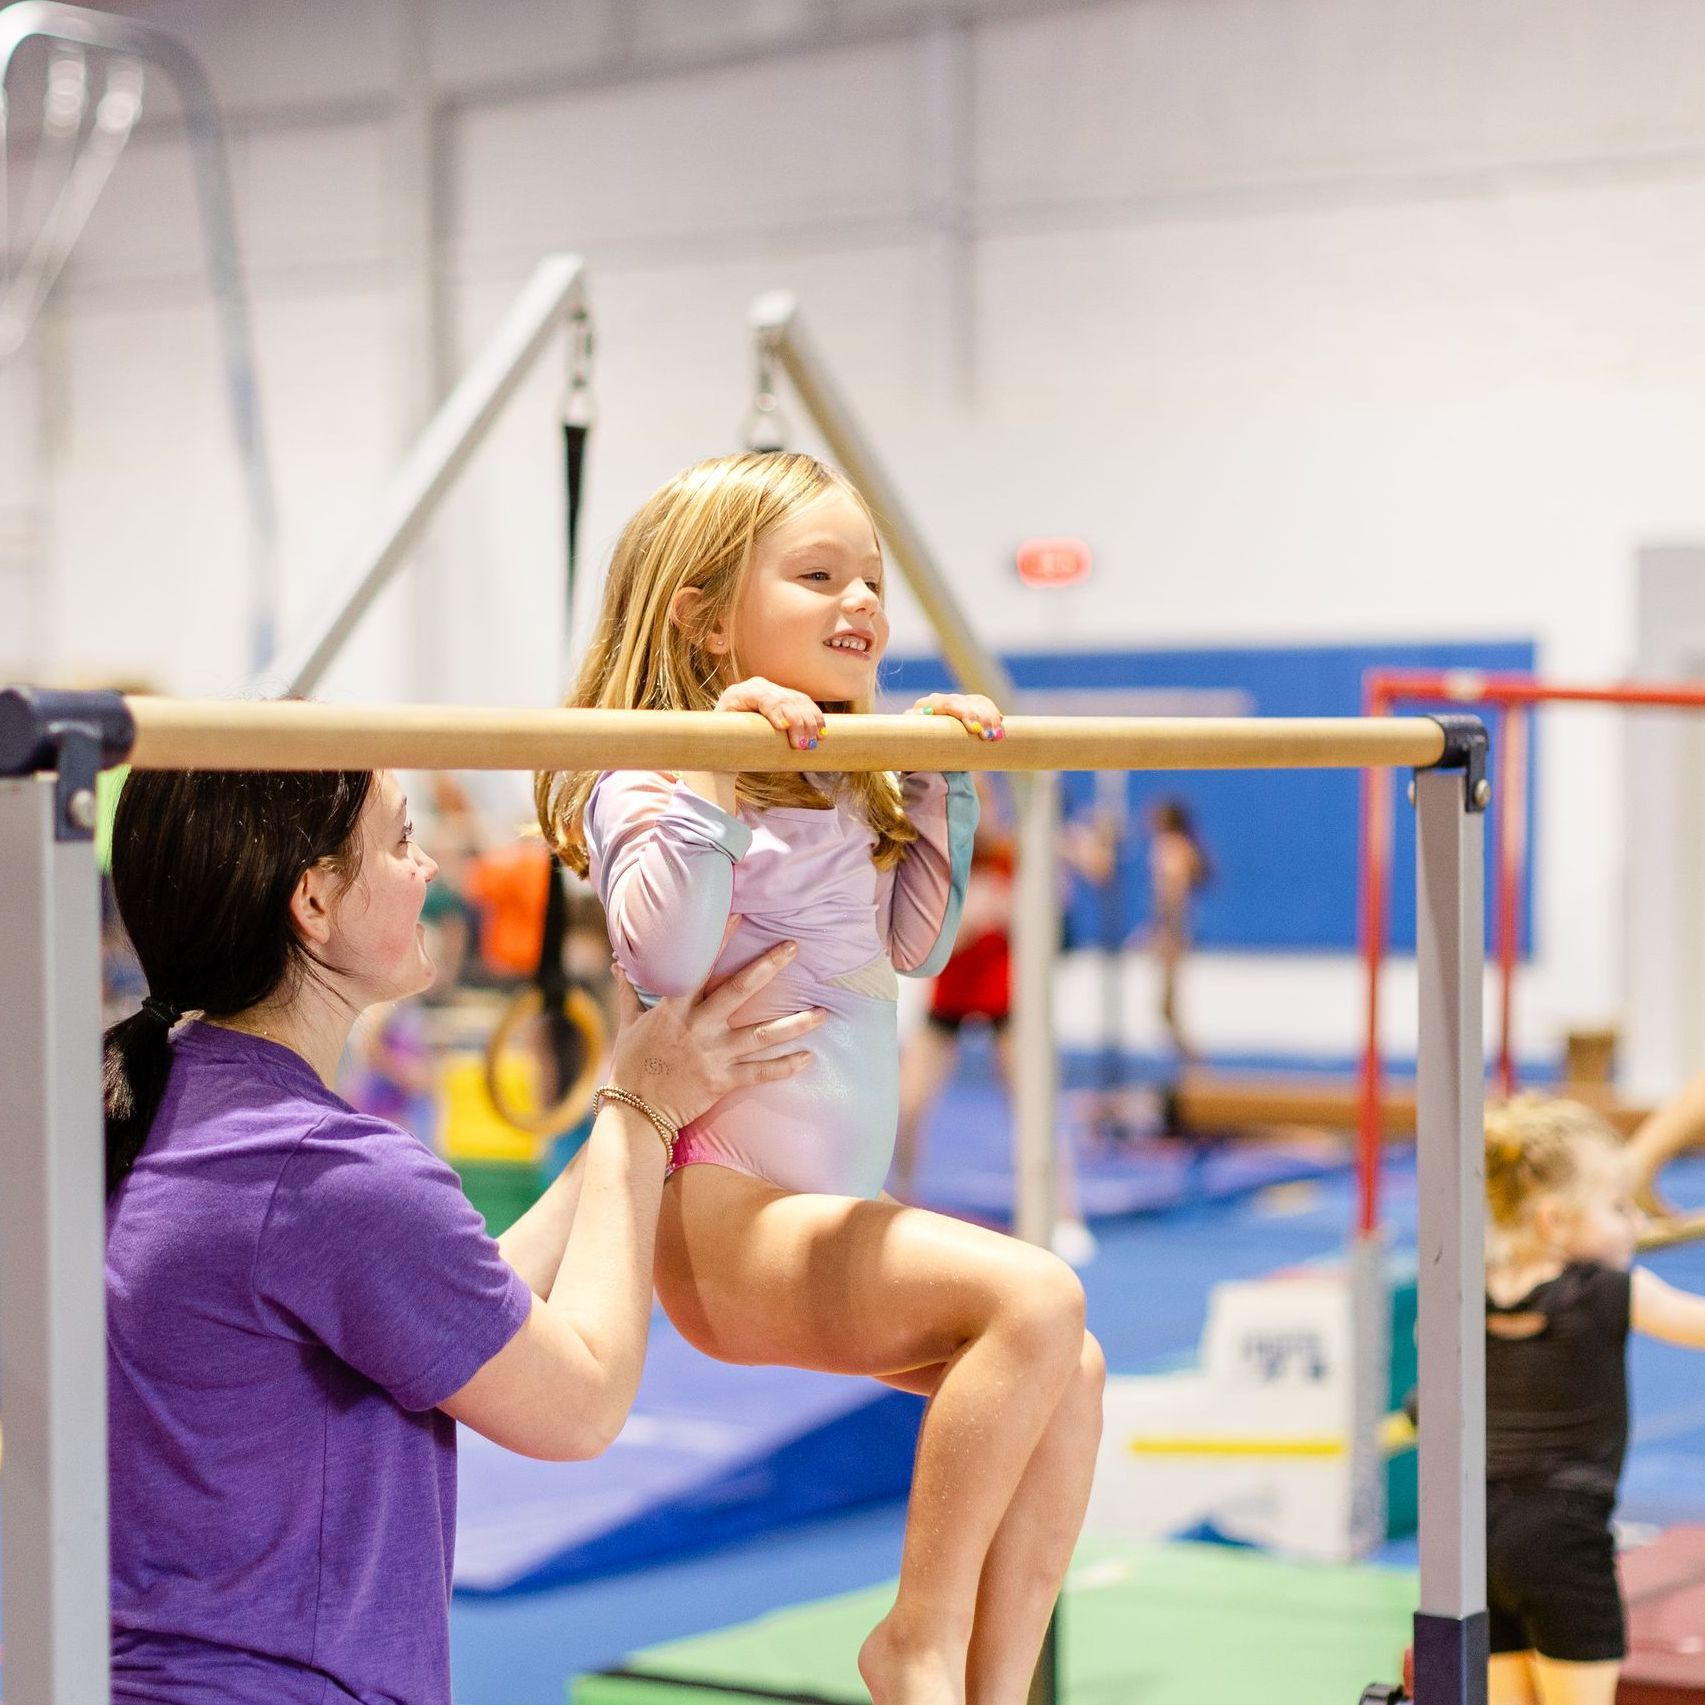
(811,745)
(926,710)
(975,727)
(1000,733)
(823,732)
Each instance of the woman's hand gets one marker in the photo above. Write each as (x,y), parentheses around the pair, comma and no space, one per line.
(981,716)
(797,715)
(683,1055)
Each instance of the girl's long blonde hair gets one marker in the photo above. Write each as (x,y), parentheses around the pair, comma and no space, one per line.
(1538,1146)
(698,531)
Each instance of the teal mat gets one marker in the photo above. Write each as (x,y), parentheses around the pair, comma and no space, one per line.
(1141,1625)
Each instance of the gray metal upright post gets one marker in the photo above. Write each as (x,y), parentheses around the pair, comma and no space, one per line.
(53,1391)
(1036,935)
(1450,1628)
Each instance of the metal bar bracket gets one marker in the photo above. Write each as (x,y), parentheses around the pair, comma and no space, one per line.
(73,737)
(1466,747)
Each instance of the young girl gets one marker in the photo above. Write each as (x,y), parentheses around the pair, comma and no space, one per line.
(755,583)
(1560,1299)
(1178,866)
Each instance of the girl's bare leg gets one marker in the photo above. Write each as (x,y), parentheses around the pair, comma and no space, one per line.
(1575,1684)
(1033,1545)
(749,1273)
(926,1064)
(1510,1679)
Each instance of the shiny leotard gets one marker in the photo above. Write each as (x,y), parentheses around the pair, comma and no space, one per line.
(671,868)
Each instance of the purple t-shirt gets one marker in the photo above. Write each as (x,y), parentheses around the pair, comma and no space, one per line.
(291,1290)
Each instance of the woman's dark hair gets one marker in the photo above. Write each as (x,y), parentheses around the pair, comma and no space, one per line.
(203,866)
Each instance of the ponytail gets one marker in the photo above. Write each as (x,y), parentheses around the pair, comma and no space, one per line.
(136,1060)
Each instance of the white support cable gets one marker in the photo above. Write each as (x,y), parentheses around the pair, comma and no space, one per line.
(555,293)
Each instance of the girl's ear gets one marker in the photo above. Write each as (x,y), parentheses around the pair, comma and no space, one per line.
(681,607)
(311,904)
(1551,1219)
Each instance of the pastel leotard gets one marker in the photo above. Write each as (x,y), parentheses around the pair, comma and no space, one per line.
(671,868)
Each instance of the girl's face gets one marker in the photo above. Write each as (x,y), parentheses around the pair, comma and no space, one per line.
(377,941)
(1596,1219)
(809,615)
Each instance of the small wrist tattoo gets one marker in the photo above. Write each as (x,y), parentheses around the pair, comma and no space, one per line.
(656,1066)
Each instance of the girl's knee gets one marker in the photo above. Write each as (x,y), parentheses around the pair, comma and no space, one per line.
(1044,1307)
(1092,1367)
(1082,1405)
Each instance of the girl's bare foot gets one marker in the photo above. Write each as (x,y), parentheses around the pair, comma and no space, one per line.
(899,1671)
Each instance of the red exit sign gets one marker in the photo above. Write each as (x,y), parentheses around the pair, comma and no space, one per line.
(1053,562)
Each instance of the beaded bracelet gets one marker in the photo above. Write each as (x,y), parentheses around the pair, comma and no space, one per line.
(665,1130)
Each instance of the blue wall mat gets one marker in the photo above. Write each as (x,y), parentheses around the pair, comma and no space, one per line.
(1283,843)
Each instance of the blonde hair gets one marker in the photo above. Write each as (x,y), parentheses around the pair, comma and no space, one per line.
(698,532)
(1538,1146)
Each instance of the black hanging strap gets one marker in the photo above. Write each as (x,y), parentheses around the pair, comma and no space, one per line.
(550,977)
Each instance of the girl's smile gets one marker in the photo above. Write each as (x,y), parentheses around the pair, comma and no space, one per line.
(809,615)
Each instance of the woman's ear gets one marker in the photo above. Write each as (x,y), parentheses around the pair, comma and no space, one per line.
(311,904)
(681,608)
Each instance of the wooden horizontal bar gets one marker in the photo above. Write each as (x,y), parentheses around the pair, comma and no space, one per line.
(176,734)
(1233,1103)
(1208,1104)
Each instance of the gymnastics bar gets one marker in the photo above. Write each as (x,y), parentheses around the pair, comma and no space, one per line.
(82,26)
(173,734)
(52,1322)
(1513,698)
(554,296)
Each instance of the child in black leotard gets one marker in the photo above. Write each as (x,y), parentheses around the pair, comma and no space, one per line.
(1560,1299)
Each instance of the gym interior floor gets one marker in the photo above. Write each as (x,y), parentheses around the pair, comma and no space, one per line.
(1147,1295)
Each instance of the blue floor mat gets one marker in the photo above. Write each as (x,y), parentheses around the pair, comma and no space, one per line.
(967,1158)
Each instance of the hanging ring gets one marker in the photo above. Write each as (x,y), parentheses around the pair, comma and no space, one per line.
(584,1014)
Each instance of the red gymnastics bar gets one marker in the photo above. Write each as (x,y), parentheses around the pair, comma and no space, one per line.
(1513,698)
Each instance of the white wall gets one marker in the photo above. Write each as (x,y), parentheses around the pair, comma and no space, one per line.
(1320,319)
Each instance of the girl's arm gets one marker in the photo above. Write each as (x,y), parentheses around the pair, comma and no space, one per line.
(927,892)
(663,858)
(1677,1125)
(1661,1311)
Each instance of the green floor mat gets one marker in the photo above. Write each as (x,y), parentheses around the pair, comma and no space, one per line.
(1142,1625)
